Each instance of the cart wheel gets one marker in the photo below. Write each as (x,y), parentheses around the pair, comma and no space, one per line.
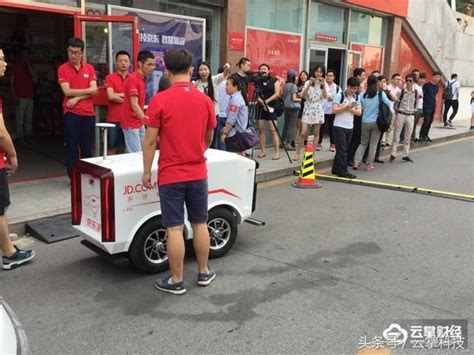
(148,250)
(223,230)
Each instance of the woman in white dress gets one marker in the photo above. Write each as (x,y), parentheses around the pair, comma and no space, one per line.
(314,92)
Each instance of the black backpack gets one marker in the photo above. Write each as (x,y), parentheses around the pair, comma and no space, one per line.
(342,97)
(448,91)
(385,115)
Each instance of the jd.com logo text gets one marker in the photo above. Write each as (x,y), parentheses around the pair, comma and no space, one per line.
(440,334)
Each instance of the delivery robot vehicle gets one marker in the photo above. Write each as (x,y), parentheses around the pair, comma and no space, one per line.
(116,214)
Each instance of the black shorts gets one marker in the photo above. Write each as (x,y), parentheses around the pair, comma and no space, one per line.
(4,192)
(173,197)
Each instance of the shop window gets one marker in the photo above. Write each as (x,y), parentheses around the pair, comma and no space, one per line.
(368,29)
(283,15)
(327,23)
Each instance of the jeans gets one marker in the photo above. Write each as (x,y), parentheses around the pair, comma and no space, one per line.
(78,132)
(288,134)
(24,118)
(134,139)
(114,136)
(216,140)
(402,121)
(327,126)
(355,140)
(342,139)
(447,105)
(428,116)
(370,135)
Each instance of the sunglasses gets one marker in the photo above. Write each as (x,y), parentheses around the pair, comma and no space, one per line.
(409,81)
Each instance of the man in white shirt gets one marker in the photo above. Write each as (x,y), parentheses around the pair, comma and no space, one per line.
(394,91)
(345,105)
(419,104)
(451,101)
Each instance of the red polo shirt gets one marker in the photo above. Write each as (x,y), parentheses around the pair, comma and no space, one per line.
(2,153)
(134,85)
(78,79)
(183,114)
(116,111)
(23,85)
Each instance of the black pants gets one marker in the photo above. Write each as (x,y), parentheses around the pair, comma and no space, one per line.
(79,136)
(447,105)
(428,116)
(355,140)
(327,126)
(342,139)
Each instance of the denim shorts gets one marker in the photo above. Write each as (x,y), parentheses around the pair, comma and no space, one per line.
(173,197)
(4,192)
(114,136)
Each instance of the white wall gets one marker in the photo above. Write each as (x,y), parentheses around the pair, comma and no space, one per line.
(435,24)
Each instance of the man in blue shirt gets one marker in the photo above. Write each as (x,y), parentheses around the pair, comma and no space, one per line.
(430,90)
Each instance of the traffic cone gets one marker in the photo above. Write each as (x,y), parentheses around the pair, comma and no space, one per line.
(307,178)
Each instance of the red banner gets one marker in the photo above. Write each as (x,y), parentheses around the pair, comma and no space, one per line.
(372,57)
(394,7)
(280,51)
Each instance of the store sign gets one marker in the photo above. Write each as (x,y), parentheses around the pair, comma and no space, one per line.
(160,32)
(397,8)
(236,41)
(324,37)
(281,51)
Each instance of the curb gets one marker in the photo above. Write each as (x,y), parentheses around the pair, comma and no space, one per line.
(18,227)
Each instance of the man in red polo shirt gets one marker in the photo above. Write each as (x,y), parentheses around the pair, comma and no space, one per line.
(114,84)
(78,83)
(134,102)
(184,119)
(21,81)
(12,256)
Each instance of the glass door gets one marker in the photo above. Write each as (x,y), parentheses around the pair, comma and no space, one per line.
(317,55)
(104,36)
(354,60)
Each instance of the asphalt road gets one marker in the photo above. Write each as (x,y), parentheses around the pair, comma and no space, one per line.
(330,266)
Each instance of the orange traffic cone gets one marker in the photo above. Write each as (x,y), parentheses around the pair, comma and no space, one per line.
(307,178)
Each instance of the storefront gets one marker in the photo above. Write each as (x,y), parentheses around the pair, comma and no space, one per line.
(43,27)
(339,37)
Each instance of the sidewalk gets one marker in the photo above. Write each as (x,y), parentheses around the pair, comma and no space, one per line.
(51,197)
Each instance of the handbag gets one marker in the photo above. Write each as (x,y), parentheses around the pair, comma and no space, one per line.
(247,139)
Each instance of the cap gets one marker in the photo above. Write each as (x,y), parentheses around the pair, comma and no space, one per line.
(291,73)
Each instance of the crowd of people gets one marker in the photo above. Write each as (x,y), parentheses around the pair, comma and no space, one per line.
(307,101)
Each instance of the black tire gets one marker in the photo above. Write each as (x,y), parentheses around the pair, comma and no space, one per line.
(148,250)
(223,230)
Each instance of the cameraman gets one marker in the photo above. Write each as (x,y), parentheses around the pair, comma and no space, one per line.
(268,92)
(243,77)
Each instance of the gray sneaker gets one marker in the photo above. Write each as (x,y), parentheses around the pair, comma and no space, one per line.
(206,279)
(20,257)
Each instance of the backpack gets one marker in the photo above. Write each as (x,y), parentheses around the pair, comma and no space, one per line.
(342,97)
(448,91)
(384,117)
(401,97)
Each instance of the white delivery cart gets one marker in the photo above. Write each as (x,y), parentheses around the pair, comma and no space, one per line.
(116,214)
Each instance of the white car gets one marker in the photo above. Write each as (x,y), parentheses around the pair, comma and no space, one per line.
(116,214)
(13,339)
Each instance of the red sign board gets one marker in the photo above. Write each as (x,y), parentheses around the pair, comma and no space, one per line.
(394,7)
(324,37)
(236,41)
(281,51)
